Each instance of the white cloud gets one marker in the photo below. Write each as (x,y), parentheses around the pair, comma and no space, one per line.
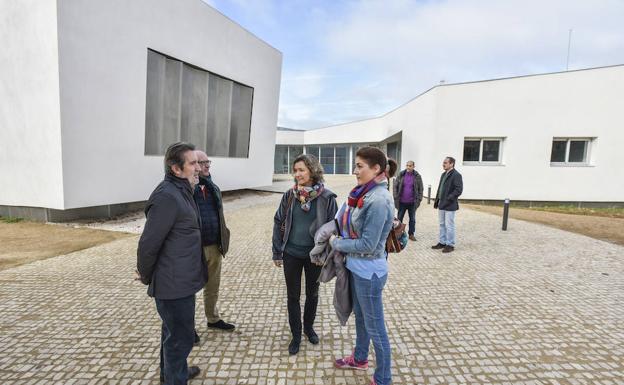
(402,48)
(351,60)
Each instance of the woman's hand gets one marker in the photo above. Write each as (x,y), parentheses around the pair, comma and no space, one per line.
(277,262)
(332,239)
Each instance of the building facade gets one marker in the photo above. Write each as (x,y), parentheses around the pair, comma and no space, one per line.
(94,91)
(540,138)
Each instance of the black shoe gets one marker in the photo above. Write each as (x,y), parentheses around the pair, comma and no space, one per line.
(438,246)
(220,324)
(448,249)
(312,336)
(293,347)
(196,341)
(193,371)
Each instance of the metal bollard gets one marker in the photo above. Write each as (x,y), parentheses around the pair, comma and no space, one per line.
(429,194)
(505,214)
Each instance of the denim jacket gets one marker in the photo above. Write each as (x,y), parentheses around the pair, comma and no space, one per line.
(372,224)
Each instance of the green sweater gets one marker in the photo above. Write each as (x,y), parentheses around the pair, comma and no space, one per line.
(300,242)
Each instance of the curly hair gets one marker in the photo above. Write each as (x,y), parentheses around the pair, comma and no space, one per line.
(313,165)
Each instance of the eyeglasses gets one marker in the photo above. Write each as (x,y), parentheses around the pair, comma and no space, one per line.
(205,162)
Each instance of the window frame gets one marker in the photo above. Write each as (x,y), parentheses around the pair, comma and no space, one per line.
(566,163)
(481,162)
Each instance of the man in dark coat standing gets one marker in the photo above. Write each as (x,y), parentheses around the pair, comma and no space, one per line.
(215,239)
(408,192)
(449,190)
(170,260)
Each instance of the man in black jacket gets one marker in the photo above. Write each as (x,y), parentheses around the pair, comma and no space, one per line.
(215,239)
(449,190)
(170,260)
(408,192)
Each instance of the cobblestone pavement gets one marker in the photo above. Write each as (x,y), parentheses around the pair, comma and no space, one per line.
(533,305)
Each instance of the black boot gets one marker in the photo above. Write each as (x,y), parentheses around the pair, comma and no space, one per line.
(312,336)
(293,347)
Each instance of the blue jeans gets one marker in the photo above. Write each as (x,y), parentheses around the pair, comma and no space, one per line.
(447,227)
(411,213)
(370,325)
(178,335)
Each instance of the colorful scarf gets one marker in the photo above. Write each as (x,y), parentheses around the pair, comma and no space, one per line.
(356,199)
(305,195)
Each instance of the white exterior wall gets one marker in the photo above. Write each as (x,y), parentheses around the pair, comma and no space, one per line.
(30,125)
(528,112)
(372,130)
(289,137)
(103,62)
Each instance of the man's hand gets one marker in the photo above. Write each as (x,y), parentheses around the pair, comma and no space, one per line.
(277,262)
(137,276)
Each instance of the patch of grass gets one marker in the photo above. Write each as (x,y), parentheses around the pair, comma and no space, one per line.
(11,219)
(597,212)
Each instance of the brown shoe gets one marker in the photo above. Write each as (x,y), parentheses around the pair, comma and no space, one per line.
(438,246)
(448,249)
(412,237)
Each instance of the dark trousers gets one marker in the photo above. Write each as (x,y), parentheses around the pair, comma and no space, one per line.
(411,212)
(178,334)
(293,268)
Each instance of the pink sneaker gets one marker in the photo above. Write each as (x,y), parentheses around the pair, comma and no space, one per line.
(351,363)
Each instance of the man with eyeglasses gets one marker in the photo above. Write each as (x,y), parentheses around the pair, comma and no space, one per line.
(215,239)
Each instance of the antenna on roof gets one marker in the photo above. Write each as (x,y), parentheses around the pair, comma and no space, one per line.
(569,43)
(442,81)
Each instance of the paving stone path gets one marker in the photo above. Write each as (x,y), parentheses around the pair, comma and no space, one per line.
(533,305)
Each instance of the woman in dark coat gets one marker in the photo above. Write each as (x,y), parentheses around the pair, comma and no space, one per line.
(303,209)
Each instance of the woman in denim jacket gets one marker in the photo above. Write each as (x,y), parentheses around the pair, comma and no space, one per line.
(365,222)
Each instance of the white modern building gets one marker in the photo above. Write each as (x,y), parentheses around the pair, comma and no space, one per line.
(93,91)
(555,137)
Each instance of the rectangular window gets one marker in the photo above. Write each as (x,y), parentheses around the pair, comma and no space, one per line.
(342,160)
(570,151)
(187,103)
(393,150)
(483,150)
(280,164)
(313,150)
(558,152)
(327,159)
(294,151)
(471,150)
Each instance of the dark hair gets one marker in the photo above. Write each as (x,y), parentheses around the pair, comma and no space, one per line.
(312,164)
(373,156)
(174,155)
(451,160)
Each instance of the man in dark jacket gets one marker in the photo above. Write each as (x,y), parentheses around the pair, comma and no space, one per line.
(170,261)
(408,192)
(449,190)
(215,239)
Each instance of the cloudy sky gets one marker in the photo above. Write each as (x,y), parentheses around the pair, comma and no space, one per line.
(347,60)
